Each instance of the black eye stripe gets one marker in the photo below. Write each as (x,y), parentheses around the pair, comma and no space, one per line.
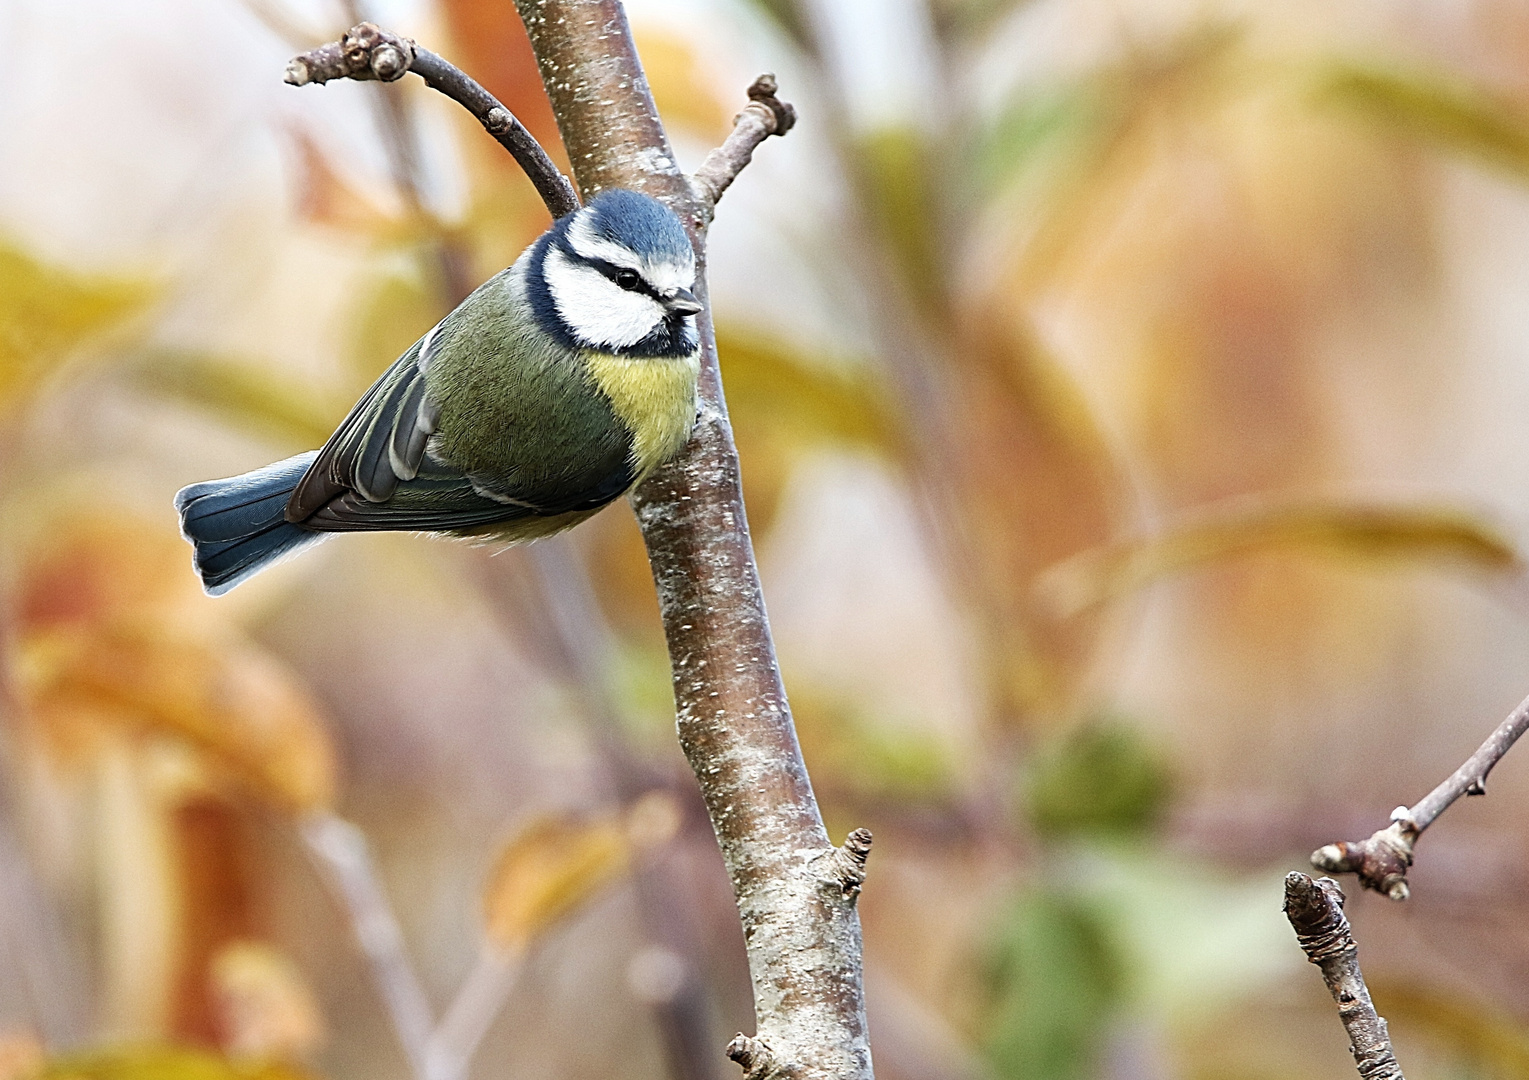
(610,270)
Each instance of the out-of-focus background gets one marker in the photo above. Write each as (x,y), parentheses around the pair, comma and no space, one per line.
(1132,405)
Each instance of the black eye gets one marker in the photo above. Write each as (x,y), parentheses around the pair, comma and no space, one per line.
(628,279)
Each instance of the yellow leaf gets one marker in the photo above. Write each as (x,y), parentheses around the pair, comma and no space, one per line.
(685,98)
(770,383)
(547,872)
(267,1008)
(244,394)
(47,312)
(164,1063)
(1423,533)
(1436,107)
(1494,1043)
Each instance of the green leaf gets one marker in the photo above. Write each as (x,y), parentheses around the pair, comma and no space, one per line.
(1433,107)
(895,174)
(1035,123)
(1054,975)
(865,756)
(1102,779)
(1372,532)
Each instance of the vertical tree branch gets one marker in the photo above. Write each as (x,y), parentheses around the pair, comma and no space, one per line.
(1315,911)
(795,892)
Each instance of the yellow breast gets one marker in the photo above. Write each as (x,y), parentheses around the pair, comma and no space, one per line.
(654,397)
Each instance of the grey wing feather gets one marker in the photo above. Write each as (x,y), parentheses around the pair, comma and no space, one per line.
(436,499)
(381,442)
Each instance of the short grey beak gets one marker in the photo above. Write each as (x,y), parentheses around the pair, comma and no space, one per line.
(683,302)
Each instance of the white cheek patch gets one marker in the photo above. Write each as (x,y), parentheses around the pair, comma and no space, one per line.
(666,276)
(596,309)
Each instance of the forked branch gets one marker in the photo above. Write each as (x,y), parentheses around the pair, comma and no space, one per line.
(763,116)
(1382,860)
(368,52)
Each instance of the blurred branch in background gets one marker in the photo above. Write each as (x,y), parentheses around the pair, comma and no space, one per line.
(1382,860)
(1215,534)
(340,852)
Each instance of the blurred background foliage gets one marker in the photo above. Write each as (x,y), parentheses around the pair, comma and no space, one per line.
(1130,400)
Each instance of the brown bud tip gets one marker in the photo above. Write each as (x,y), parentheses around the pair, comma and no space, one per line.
(1398,889)
(764,87)
(1311,904)
(763,90)
(858,845)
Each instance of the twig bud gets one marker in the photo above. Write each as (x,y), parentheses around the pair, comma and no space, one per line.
(753,1055)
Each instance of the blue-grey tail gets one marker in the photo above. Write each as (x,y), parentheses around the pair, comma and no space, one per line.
(237,526)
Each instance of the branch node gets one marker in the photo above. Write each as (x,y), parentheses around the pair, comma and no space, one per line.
(1381,861)
(763,90)
(763,116)
(753,1055)
(365,51)
(847,863)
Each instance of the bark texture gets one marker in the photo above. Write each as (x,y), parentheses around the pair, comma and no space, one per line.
(1315,911)
(795,891)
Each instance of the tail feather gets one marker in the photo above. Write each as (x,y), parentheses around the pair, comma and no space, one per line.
(238,527)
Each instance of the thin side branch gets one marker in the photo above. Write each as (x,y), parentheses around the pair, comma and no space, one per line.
(366,52)
(763,116)
(340,852)
(1315,911)
(1382,860)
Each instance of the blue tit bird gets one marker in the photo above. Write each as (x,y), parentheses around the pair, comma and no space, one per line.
(556,386)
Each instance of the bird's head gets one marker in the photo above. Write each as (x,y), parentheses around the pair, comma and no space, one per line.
(615,275)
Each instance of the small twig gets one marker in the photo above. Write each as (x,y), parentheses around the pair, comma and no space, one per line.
(763,116)
(340,852)
(367,52)
(472,1012)
(1381,861)
(1315,911)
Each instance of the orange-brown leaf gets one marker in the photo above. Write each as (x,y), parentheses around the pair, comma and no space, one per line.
(220,694)
(546,872)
